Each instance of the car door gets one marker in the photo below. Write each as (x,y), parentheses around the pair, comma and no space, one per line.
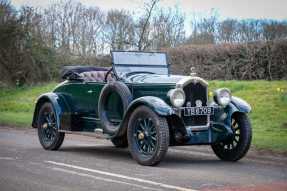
(83,99)
(92,94)
(76,93)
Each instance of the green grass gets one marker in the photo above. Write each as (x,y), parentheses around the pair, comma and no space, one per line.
(269,110)
(16,118)
(17,104)
(268,101)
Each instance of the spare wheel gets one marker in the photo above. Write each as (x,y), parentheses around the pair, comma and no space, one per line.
(114,100)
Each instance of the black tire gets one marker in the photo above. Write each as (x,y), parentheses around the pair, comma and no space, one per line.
(126,97)
(49,136)
(149,146)
(120,142)
(238,145)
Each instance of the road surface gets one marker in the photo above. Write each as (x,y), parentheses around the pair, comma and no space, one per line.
(87,163)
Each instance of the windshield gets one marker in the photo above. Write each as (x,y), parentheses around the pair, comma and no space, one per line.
(126,63)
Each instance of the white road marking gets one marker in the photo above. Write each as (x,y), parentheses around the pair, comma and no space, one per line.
(166,186)
(103,179)
(7,158)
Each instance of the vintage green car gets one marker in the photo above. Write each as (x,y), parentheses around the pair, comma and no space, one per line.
(138,104)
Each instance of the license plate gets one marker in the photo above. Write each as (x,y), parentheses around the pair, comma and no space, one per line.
(189,111)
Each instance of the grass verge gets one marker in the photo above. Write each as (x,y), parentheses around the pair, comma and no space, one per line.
(269,110)
(17,104)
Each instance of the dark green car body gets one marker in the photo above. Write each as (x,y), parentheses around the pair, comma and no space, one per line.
(76,104)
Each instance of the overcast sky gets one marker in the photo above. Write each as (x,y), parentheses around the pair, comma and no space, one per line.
(271,9)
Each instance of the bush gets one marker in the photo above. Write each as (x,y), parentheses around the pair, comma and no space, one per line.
(251,61)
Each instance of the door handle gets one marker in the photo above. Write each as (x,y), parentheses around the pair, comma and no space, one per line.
(90,91)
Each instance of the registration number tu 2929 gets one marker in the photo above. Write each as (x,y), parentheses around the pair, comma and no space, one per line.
(189,111)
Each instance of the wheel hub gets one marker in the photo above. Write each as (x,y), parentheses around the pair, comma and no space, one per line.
(45,126)
(141,136)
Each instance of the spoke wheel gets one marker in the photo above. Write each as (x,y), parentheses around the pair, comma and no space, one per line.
(48,134)
(233,142)
(148,136)
(145,136)
(235,147)
(48,127)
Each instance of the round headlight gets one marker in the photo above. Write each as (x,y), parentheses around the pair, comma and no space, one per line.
(177,97)
(222,96)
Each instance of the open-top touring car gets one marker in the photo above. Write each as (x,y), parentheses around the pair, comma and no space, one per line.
(138,104)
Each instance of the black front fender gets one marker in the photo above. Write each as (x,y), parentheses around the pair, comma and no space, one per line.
(240,104)
(223,116)
(156,104)
(236,105)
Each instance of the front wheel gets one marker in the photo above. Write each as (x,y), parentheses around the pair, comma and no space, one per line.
(237,146)
(148,136)
(48,134)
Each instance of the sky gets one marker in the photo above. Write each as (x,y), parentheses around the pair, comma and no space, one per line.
(239,9)
(236,9)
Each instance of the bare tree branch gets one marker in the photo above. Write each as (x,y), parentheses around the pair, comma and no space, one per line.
(149,9)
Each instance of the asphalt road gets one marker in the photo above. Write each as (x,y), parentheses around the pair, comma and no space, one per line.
(87,163)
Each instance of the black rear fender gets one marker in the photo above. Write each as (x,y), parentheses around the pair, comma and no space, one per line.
(59,105)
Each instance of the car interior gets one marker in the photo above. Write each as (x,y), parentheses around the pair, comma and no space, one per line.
(87,73)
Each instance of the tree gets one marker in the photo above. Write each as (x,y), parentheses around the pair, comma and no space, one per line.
(168,29)
(204,29)
(119,30)
(274,30)
(228,31)
(24,58)
(143,25)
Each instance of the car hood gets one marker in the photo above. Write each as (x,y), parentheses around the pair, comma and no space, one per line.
(154,79)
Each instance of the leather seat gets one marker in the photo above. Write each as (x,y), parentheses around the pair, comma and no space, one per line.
(95,76)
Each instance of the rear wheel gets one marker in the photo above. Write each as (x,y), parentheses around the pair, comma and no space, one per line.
(148,136)
(48,134)
(237,146)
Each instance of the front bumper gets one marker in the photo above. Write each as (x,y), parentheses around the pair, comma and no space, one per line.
(216,129)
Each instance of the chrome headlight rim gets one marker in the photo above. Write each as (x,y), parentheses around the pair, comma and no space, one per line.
(172,97)
(222,96)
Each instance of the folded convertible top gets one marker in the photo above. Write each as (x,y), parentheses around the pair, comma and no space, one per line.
(70,70)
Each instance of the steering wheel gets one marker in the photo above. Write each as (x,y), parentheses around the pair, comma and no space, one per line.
(138,72)
(107,74)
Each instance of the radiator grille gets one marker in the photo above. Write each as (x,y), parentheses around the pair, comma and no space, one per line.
(193,92)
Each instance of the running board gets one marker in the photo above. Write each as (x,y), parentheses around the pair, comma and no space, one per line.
(98,133)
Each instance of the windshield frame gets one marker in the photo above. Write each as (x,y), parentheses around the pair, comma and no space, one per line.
(136,65)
